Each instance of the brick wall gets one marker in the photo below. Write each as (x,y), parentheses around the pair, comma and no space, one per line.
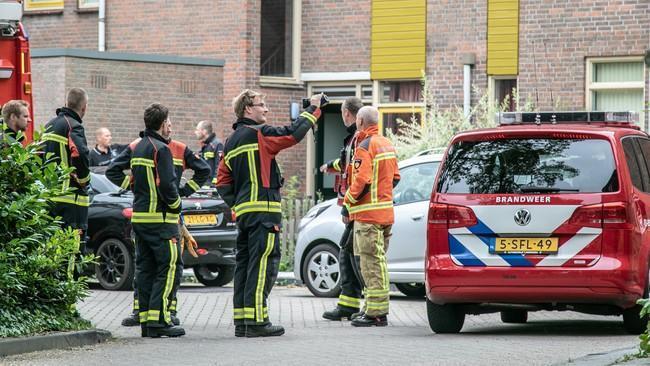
(48,82)
(119,92)
(69,29)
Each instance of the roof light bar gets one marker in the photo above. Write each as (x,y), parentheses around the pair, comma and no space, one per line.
(509,118)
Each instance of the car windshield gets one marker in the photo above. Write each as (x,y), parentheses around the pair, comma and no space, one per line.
(529,166)
(101,184)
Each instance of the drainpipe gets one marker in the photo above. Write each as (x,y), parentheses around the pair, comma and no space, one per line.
(469,59)
(101,34)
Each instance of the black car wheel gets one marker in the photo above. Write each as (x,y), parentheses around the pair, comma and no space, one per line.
(320,271)
(115,267)
(446,318)
(411,289)
(514,316)
(213,275)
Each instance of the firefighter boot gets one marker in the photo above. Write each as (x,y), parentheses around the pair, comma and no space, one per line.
(168,331)
(366,320)
(143,330)
(267,330)
(131,320)
(338,314)
(357,315)
(240,330)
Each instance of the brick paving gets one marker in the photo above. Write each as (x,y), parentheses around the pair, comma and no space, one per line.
(549,337)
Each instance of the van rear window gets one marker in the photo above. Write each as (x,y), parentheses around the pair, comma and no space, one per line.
(529,166)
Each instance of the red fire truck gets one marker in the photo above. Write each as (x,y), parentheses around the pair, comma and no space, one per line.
(15,66)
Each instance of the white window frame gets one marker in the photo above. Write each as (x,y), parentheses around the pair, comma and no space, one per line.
(386,108)
(81,4)
(492,79)
(296,41)
(624,85)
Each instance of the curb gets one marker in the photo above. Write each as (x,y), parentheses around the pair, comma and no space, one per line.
(13,346)
(602,358)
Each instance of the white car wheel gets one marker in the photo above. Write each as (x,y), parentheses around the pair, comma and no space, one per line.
(320,271)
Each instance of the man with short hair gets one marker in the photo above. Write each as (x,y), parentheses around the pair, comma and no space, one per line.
(211,147)
(65,140)
(350,298)
(156,209)
(369,203)
(249,181)
(103,152)
(15,116)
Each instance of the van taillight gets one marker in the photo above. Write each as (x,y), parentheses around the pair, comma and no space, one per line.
(450,216)
(607,216)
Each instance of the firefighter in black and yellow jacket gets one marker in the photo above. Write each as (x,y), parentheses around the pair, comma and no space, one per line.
(184,158)
(65,141)
(249,181)
(156,207)
(211,148)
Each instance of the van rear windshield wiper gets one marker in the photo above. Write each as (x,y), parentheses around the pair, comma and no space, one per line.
(528,189)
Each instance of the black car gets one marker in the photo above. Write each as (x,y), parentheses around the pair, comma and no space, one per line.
(207,217)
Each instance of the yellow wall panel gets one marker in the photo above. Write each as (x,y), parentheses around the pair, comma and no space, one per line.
(503,37)
(398,39)
(43,4)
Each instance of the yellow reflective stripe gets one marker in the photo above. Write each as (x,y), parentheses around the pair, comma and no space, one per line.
(252,171)
(350,198)
(309,116)
(257,206)
(193,185)
(125,183)
(240,150)
(337,164)
(349,301)
(174,205)
(154,315)
(143,316)
(384,292)
(238,313)
(84,180)
(385,156)
(154,218)
(178,162)
(214,180)
(136,305)
(72,199)
(153,195)
(143,162)
(370,207)
(55,138)
(375,181)
(169,281)
(261,278)
(209,154)
(63,153)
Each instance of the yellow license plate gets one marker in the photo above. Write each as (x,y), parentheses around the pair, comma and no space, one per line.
(191,220)
(526,245)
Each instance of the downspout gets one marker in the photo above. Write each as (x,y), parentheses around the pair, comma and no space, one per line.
(101,34)
(469,59)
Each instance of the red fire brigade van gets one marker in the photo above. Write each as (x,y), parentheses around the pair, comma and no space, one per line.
(15,67)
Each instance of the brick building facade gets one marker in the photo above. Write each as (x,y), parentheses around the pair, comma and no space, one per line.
(585,53)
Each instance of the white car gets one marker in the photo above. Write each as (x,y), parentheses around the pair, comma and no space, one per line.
(316,255)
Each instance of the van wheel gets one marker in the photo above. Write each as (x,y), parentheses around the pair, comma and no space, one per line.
(448,318)
(514,316)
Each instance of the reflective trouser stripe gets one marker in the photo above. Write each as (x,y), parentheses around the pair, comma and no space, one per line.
(136,305)
(143,316)
(257,206)
(172,307)
(73,199)
(248,313)
(125,183)
(153,316)
(261,279)
(154,218)
(348,301)
(169,281)
(193,185)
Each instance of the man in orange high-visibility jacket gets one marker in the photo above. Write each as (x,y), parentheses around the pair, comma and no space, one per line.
(369,203)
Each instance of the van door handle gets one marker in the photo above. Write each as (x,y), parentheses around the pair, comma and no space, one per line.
(417,217)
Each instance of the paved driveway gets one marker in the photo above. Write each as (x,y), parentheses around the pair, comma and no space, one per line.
(548,338)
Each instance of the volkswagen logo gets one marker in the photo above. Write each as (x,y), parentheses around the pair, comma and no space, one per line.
(522,217)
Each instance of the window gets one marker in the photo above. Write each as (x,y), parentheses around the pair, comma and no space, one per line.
(35,5)
(280,39)
(615,84)
(88,4)
(633,164)
(399,101)
(401,91)
(392,118)
(529,166)
(501,92)
(415,183)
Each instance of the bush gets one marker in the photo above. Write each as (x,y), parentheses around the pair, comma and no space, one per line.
(38,291)
(644,346)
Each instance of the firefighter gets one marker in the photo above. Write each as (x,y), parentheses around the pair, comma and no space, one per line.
(211,147)
(369,203)
(183,158)
(65,140)
(350,298)
(156,208)
(249,181)
(15,116)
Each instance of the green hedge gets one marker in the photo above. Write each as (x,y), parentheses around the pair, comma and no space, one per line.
(38,292)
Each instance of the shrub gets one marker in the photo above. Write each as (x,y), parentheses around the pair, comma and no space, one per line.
(38,291)
(644,346)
